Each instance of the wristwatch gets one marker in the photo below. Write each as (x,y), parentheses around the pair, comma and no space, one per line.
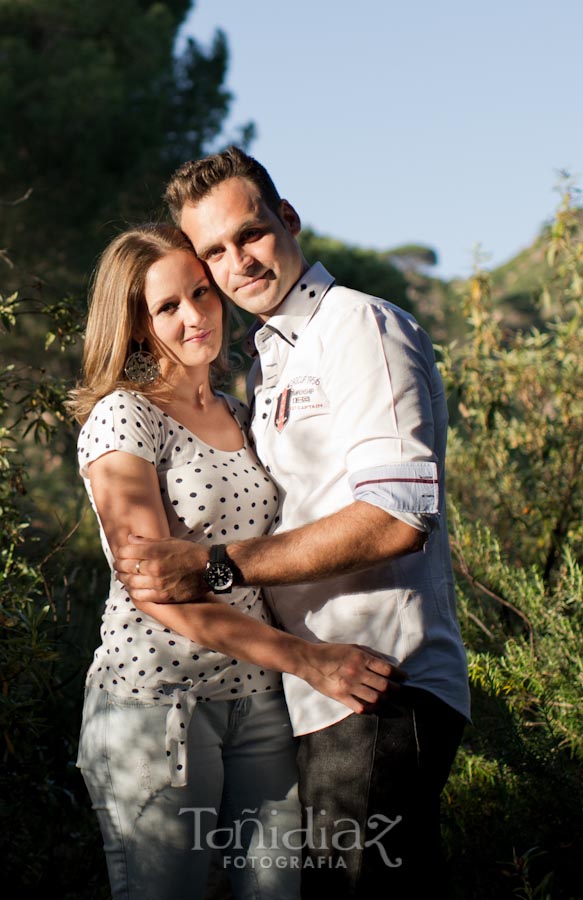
(220,571)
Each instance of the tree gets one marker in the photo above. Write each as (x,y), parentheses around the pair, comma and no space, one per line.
(96,114)
(412,257)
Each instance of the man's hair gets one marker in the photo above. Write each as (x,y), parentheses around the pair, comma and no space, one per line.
(197,178)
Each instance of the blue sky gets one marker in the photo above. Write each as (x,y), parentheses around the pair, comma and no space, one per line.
(442,122)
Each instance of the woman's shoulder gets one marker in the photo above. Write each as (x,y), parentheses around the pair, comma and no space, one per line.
(122,399)
(120,410)
(122,420)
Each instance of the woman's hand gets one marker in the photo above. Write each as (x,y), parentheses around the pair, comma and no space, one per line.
(354,675)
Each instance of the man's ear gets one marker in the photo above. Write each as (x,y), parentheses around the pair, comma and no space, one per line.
(290,218)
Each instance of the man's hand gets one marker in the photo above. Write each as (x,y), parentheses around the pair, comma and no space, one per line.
(351,674)
(162,571)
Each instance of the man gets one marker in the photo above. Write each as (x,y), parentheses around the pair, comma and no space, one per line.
(349,416)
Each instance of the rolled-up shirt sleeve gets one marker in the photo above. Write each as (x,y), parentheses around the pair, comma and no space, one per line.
(408,491)
(384,392)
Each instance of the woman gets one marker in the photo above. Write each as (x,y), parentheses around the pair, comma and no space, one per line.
(183,748)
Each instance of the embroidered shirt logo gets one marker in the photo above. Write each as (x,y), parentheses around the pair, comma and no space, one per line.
(282,409)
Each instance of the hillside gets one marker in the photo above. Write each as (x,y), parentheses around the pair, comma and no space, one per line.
(516,288)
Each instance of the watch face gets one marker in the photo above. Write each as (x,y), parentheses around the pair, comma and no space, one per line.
(219,576)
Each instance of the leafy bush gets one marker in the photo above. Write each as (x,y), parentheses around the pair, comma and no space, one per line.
(44,820)
(513,814)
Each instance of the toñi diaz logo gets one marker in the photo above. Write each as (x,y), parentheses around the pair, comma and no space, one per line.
(347,835)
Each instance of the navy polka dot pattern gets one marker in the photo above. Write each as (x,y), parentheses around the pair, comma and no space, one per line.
(210,496)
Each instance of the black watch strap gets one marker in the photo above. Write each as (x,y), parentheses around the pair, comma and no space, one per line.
(219,554)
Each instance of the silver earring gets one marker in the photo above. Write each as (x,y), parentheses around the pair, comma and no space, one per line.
(141,367)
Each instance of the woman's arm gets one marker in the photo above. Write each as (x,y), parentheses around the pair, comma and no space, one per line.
(127,497)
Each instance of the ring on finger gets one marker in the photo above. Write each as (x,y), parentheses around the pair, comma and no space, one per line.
(138,567)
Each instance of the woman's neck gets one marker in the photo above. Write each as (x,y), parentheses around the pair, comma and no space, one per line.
(189,399)
(187,387)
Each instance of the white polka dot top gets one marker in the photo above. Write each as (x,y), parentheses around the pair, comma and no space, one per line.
(210,496)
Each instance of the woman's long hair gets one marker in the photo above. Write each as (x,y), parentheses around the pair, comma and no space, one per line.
(118,311)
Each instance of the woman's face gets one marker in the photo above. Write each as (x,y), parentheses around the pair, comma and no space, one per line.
(185,310)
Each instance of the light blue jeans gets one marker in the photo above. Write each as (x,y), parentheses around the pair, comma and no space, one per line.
(241,797)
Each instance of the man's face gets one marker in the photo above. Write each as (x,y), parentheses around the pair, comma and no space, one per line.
(252,253)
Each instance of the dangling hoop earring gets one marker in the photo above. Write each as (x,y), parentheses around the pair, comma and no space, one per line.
(141,367)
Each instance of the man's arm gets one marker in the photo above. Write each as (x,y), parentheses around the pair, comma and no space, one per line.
(126,491)
(382,415)
(353,538)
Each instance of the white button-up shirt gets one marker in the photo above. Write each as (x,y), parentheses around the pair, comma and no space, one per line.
(349,405)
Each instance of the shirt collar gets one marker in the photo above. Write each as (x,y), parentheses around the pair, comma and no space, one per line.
(296,310)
